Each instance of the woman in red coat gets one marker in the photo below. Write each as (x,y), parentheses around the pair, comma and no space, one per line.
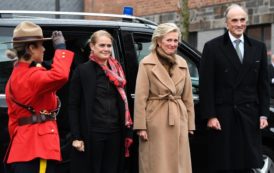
(32,101)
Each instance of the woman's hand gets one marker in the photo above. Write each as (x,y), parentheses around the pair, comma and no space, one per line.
(79,145)
(58,39)
(143,134)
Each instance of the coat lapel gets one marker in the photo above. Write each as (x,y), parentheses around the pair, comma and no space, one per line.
(161,74)
(230,53)
(177,73)
(247,61)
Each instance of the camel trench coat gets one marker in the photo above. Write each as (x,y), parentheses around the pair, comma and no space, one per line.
(164,107)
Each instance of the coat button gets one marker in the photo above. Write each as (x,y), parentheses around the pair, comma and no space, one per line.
(235,107)
(52,130)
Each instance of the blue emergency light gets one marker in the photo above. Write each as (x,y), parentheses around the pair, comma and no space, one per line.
(128,11)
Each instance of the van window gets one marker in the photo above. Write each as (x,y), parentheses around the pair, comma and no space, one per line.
(5,36)
(6,64)
(141,45)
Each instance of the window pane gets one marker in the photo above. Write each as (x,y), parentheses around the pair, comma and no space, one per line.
(5,36)
(141,44)
(6,64)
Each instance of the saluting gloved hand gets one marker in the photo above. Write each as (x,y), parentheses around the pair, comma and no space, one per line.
(58,40)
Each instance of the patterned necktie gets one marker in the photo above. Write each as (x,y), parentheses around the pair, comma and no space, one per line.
(237,42)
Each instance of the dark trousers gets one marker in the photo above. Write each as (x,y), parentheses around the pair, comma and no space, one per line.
(105,152)
(33,166)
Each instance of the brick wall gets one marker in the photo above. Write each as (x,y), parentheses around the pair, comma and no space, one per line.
(141,7)
(204,3)
(206,17)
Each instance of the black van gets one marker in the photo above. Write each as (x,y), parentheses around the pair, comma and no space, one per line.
(132,36)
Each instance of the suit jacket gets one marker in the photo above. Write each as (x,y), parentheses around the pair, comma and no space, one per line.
(36,86)
(237,94)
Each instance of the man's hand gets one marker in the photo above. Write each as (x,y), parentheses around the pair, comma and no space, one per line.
(214,123)
(263,123)
(79,145)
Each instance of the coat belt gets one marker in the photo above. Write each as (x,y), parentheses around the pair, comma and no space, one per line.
(40,118)
(172,103)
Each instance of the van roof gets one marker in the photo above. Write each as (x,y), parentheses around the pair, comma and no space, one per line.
(48,17)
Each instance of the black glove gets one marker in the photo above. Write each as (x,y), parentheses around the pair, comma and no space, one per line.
(58,40)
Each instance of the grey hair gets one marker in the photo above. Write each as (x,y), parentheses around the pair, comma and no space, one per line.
(162,30)
(234,6)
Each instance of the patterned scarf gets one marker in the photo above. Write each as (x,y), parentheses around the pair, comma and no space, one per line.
(116,75)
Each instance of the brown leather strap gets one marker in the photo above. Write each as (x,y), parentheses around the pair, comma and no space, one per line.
(30,108)
(33,119)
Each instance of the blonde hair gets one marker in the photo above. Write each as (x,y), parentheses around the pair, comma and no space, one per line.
(97,34)
(161,31)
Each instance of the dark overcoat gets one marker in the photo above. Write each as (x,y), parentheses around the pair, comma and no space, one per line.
(81,101)
(237,94)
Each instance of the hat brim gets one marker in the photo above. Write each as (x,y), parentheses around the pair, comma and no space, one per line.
(27,41)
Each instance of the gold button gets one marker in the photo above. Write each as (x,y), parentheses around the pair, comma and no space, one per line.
(52,130)
(63,56)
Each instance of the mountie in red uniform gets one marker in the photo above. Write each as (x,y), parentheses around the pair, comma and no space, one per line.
(36,87)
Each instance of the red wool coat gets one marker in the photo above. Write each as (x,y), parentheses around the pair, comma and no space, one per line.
(36,86)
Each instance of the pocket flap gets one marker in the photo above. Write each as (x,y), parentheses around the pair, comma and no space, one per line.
(47,128)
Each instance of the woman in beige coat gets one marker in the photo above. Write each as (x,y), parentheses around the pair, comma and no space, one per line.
(164,109)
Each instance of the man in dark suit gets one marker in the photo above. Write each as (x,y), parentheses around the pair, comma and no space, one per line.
(234,95)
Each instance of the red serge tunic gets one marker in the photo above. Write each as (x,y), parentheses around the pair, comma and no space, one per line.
(36,87)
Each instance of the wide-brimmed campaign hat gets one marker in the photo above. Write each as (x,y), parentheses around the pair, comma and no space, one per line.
(27,32)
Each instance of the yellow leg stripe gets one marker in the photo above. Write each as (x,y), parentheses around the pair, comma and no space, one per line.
(43,166)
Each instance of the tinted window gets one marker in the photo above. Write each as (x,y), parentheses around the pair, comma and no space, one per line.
(5,63)
(5,36)
(141,45)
